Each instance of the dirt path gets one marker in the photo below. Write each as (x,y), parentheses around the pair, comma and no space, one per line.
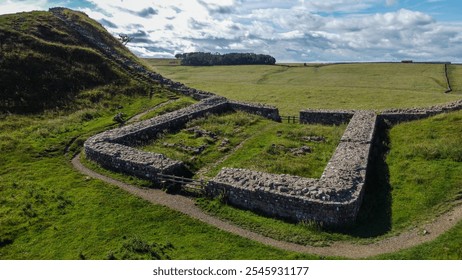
(342,249)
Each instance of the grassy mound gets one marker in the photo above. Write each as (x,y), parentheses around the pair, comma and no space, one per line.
(45,65)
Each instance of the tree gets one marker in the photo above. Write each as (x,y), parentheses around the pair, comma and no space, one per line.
(207,59)
(124,38)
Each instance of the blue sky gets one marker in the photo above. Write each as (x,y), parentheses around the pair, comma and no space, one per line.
(299,30)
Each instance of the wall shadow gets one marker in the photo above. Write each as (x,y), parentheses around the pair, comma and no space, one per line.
(374,217)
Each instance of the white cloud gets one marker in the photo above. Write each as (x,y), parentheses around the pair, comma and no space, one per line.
(321,30)
(391,2)
(10,6)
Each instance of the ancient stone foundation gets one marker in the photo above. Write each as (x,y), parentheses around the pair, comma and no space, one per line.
(332,200)
(114,150)
(396,116)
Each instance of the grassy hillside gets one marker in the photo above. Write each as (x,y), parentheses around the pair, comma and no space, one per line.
(346,86)
(71,91)
(45,65)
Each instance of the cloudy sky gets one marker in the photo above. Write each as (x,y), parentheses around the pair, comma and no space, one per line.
(299,30)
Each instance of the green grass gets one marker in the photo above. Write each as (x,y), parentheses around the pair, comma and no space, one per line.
(69,67)
(181,102)
(273,145)
(271,142)
(347,86)
(454,73)
(163,61)
(425,165)
(448,246)
(50,211)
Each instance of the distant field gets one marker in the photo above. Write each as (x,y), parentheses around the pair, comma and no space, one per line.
(455,76)
(346,86)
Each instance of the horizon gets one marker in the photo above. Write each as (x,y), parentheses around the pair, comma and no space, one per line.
(338,62)
(329,31)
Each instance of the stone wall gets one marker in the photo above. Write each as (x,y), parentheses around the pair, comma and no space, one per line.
(326,117)
(114,150)
(132,161)
(333,200)
(395,116)
(265,111)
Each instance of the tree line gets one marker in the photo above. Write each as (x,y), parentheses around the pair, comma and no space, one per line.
(209,59)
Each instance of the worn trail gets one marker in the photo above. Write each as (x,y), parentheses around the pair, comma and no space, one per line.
(341,249)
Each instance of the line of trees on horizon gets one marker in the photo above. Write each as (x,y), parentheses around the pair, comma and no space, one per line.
(210,59)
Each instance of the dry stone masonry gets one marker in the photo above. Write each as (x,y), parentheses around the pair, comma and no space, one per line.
(326,117)
(114,149)
(396,116)
(332,200)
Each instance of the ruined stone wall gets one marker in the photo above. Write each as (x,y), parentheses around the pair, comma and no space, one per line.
(326,117)
(141,132)
(395,116)
(113,148)
(333,200)
(296,199)
(132,161)
(265,111)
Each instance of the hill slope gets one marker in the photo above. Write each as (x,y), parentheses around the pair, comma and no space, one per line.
(45,63)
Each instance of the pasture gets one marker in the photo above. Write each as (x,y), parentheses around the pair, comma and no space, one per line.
(374,86)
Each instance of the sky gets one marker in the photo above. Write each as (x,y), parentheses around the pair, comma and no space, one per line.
(291,31)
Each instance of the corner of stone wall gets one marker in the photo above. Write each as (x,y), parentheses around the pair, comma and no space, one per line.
(265,111)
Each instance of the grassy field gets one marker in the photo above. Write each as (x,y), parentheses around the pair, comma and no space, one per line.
(347,86)
(455,74)
(274,144)
(425,165)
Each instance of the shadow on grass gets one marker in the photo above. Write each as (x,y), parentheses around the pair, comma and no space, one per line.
(375,215)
